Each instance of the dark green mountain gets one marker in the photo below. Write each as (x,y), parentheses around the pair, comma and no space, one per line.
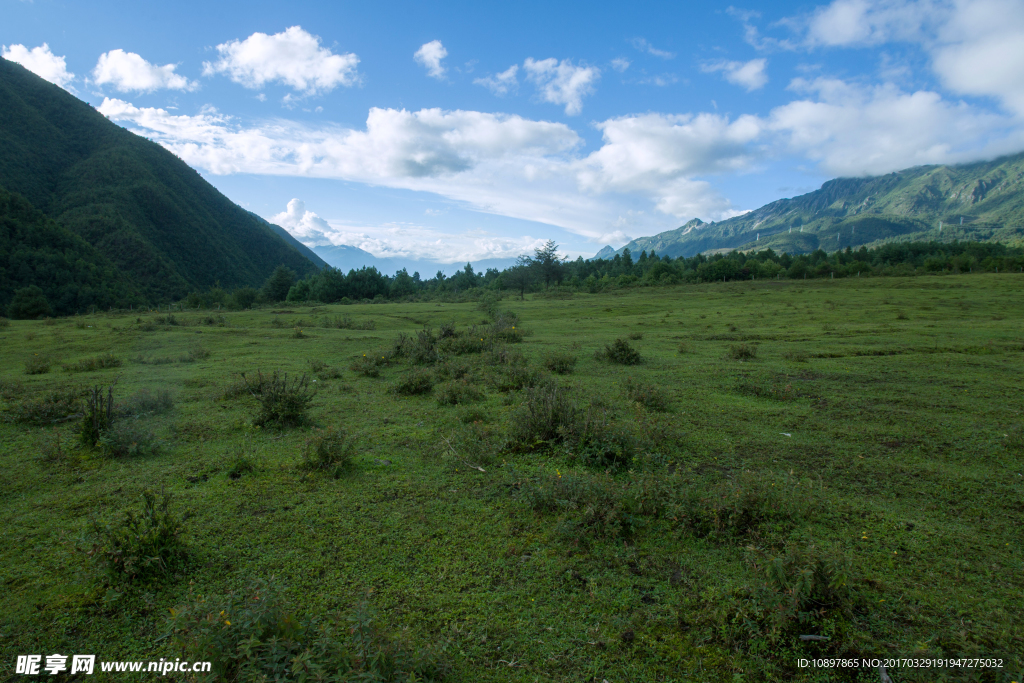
(72,274)
(287,237)
(982,201)
(142,208)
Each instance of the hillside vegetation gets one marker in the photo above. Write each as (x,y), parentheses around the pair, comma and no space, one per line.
(700,483)
(140,207)
(982,201)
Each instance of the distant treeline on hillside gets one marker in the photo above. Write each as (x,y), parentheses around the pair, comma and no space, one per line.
(544,271)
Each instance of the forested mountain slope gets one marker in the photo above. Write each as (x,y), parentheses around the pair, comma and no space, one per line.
(146,211)
(982,201)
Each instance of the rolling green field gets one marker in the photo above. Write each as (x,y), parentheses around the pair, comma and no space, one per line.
(836,459)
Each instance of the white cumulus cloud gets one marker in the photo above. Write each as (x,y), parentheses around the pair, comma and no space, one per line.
(562,82)
(501,83)
(430,56)
(292,57)
(975,47)
(41,62)
(127,71)
(750,75)
(302,224)
(853,130)
(658,155)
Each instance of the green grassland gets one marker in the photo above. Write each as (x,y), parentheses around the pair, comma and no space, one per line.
(831,458)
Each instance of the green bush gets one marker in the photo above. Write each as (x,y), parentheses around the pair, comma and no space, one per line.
(37,365)
(803,590)
(457,392)
(328,449)
(515,377)
(126,439)
(415,382)
(590,506)
(4,322)
(141,547)
(619,351)
(254,636)
(543,416)
(99,415)
(56,405)
(283,402)
(742,351)
(322,370)
(646,394)
(104,362)
(560,362)
(196,352)
(451,370)
(345,322)
(29,303)
(752,504)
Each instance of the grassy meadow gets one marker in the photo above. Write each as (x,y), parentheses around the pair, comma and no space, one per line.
(512,498)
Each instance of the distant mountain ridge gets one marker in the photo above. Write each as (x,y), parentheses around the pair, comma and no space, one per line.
(345,258)
(981,201)
(139,206)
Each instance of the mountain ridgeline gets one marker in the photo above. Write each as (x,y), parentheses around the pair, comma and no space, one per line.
(981,201)
(129,221)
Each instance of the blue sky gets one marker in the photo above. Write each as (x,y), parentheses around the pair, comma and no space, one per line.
(464,131)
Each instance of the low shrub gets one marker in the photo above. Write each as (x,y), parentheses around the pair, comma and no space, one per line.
(4,322)
(802,590)
(145,401)
(243,465)
(57,405)
(683,348)
(11,389)
(795,356)
(371,363)
(196,352)
(422,350)
(457,392)
(126,439)
(776,391)
(502,355)
(51,449)
(619,351)
(473,414)
(107,360)
(141,546)
(560,362)
(99,414)
(297,333)
(416,381)
(283,402)
(451,370)
(345,322)
(37,365)
(742,351)
(506,328)
(636,336)
(543,416)
(254,635)
(322,370)
(515,377)
(750,505)
(328,449)
(646,394)
(590,506)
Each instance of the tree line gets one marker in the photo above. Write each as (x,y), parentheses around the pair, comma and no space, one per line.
(546,270)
